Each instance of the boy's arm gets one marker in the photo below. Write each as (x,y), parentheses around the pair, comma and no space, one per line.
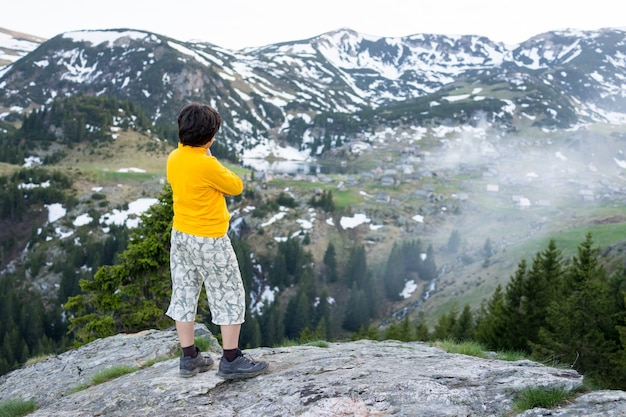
(224,180)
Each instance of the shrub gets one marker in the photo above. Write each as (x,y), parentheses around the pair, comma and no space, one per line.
(16,408)
(543,397)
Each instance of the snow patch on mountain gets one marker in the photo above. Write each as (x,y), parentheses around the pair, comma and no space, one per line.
(274,151)
(129,217)
(116,37)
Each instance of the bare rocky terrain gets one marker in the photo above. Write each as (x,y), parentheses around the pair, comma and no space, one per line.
(362,378)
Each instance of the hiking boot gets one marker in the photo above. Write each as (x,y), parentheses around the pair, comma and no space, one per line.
(191,366)
(240,368)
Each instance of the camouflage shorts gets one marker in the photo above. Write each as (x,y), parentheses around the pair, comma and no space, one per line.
(195,260)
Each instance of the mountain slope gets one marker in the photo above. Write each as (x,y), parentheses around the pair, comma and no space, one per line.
(275,93)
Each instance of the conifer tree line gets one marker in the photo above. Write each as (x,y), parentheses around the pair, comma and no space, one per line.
(27,328)
(408,261)
(563,312)
(32,324)
(80,119)
(33,321)
(71,120)
(28,188)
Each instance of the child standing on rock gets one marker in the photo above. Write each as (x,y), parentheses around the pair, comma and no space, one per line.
(201,251)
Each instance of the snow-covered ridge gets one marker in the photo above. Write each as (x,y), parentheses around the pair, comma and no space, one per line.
(109,37)
(14,46)
(273,94)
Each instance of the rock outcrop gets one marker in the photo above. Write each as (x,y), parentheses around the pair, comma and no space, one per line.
(362,378)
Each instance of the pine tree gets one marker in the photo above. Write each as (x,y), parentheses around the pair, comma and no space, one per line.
(454,242)
(5,367)
(244,260)
(297,315)
(406,333)
(513,320)
(251,332)
(356,314)
(357,265)
(322,331)
(322,309)
(575,331)
(422,333)
(330,264)
(308,284)
(412,253)
(392,332)
(540,287)
(620,357)
(272,325)
(31,322)
(463,329)
(25,328)
(371,290)
(491,325)
(525,301)
(395,273)
(278,274)
(325,202)
(428,272)
(134,294)
(444,329)
(9,343)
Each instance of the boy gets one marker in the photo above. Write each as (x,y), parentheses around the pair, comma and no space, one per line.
(201,250)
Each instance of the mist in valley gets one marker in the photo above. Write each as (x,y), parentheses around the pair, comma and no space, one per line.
(513,193)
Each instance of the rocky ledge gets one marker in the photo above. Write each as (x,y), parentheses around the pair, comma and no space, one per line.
(362,378)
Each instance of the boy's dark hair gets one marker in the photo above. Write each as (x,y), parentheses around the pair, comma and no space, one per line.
(198,124)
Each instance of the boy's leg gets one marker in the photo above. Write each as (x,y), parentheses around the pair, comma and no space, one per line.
(185,330)
(186,287)
(192,360)
(227,300)
(230,336)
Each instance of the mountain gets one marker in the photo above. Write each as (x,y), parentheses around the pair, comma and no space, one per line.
(431,164)
(352,378)
(285,93)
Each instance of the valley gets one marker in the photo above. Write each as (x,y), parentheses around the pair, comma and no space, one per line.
(516,194)
(510,192)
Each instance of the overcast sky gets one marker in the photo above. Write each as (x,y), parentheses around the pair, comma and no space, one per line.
(236,24)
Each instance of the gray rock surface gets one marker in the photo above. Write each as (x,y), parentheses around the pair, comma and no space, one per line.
(363,378)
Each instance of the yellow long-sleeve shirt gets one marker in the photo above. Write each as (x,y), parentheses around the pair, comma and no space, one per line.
(199,183)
